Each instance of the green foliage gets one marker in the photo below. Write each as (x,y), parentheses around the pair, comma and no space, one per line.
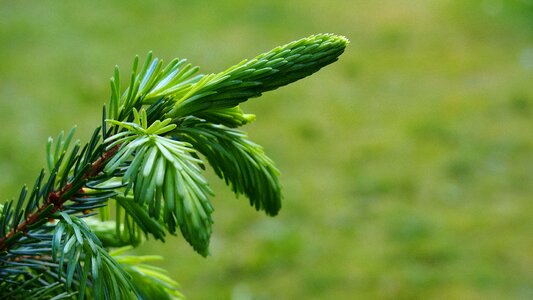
(151,282)
(165,177)
(143,165)
(83,253)
(249,79)
(239,161)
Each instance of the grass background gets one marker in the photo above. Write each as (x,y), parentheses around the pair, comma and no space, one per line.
(407,165)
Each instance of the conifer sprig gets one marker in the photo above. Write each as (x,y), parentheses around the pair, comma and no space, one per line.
(140,176)
(250,78)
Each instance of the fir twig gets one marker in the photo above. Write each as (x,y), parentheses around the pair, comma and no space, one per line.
(142,174)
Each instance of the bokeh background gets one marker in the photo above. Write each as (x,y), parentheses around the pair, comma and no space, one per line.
(407,165)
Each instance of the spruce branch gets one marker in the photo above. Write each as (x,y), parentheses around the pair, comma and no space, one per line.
(141,175)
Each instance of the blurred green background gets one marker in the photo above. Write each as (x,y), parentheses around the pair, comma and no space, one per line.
(407,165)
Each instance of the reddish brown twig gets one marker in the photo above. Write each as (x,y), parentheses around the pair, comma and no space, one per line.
(55,198)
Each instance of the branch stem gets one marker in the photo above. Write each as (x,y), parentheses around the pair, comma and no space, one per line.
(54,198)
